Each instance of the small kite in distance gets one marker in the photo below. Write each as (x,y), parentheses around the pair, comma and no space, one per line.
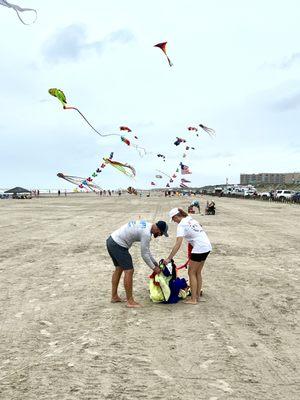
(210,131)
(125,128)
(163,47)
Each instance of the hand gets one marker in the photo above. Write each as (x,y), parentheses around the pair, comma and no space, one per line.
(166,261)
(157,270)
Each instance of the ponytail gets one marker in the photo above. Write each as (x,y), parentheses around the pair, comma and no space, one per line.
(182,213)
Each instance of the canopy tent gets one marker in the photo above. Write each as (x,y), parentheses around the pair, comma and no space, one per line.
(17,190)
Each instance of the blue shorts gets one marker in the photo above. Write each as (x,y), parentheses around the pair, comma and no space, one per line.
(119,255)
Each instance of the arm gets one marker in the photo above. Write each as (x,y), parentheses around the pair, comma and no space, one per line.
(175,249)
(145,252)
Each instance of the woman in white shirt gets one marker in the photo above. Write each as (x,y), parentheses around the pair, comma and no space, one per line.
(190,229)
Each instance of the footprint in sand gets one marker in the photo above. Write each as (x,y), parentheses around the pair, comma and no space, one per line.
(232,350)
(162,375)
(222,385)
(206,364)
(44,332)
(19,314)
(46,323)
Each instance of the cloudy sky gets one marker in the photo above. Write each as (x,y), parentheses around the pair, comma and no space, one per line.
(236,69)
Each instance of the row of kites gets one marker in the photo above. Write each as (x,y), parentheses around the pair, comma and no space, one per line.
(126,136)
(133,141)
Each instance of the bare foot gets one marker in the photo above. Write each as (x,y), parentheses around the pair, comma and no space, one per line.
(133,304)
(116,299)
(190,301)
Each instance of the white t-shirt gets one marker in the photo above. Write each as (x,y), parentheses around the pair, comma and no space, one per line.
(136,231)
(193,233)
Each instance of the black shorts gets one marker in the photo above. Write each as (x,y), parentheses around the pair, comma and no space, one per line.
(199,256)
(120,255)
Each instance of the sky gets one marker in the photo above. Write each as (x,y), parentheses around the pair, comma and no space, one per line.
(236,69)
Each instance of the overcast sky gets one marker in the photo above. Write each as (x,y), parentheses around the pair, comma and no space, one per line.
(236,69)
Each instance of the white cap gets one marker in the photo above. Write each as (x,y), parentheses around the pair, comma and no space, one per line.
(173,212)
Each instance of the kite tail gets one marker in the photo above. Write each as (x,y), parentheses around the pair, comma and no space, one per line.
(141,150)
(210,131)
(19,9)
(94,129)
(169,61)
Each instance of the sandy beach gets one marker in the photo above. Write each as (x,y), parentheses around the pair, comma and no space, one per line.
(62,339)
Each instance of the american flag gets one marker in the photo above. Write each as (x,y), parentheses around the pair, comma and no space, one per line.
(182,185)
(184,169)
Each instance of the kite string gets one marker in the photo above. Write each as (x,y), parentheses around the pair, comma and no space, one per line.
(94,129)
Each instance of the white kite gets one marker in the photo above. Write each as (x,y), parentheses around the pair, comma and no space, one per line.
(18,9)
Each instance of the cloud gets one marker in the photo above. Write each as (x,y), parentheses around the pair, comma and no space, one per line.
(288,63)
(71,42)
(288,103)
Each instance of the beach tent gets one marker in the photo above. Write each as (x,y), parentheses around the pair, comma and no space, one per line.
(17,190)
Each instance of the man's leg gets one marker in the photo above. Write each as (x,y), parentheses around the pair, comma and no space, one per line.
(114,285)
(128,283)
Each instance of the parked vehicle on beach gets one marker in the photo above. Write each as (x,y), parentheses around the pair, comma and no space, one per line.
(218,191)
(284,194)
(265,195)
(296,197)
(250,192)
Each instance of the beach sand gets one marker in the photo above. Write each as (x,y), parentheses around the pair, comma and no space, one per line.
(61,338)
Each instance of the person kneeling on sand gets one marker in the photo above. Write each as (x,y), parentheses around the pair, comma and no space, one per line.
(190,229)
(118,244)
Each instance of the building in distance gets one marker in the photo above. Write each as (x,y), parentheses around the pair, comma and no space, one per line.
(270,178)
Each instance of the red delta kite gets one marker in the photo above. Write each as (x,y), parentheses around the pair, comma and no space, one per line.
(163,47)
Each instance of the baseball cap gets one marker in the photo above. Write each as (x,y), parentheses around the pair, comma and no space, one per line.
(163,227)
(173,212)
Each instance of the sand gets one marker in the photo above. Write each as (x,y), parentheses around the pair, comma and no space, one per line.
(61,338)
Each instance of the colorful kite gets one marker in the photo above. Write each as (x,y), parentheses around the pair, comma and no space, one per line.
(182,185)
(193,128)
(162,156)
(184,169)
(153,184)
(122,167)
(59,94)
(210,131)
(18,9)
(78,181)
(125,128)
(179,140)
(158,176)
(185,180)
(163,47)
(132,190)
